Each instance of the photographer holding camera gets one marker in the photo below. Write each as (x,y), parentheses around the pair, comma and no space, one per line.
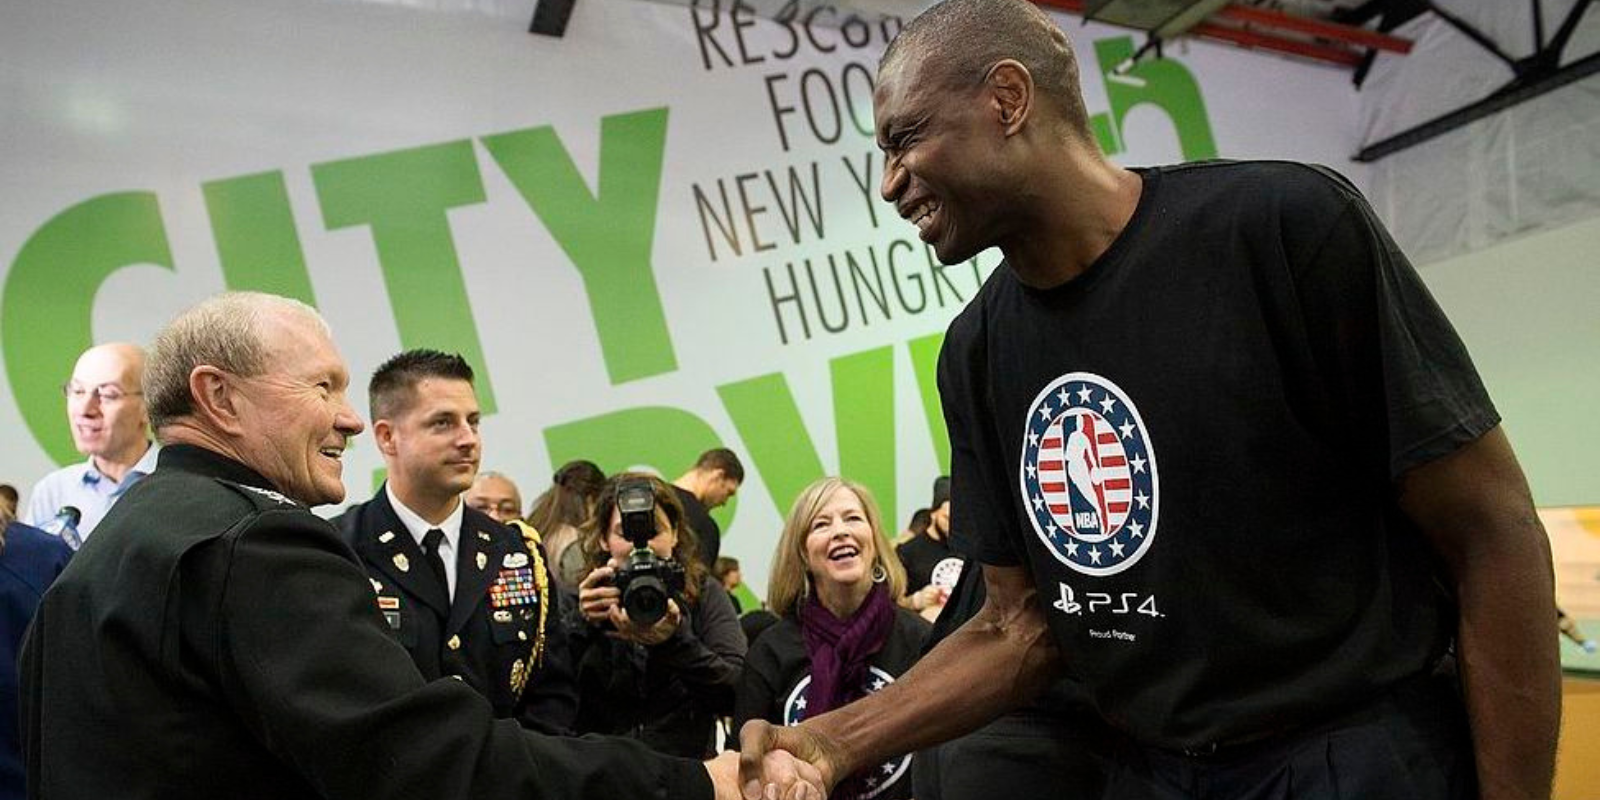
(658,648)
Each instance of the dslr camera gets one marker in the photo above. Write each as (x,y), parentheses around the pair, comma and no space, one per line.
(646,580)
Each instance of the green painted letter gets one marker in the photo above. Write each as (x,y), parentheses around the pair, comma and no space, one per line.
(49,300)
(403,196)
(608,234)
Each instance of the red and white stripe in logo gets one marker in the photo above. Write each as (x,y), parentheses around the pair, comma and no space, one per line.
(1083,475)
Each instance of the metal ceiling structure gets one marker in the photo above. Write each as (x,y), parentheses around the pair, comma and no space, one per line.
(1348,34)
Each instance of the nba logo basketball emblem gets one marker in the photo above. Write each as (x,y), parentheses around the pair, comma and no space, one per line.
(1089,475)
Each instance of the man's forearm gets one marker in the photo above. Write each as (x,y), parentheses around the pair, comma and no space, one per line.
(995,662)
(1511,667)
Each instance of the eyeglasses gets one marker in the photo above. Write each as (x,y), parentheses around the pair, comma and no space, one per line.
(108,394)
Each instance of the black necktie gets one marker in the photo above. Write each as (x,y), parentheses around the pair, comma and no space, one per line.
(430,553)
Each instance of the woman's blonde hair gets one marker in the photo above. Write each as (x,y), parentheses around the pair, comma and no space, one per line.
(592,534)
(790,580)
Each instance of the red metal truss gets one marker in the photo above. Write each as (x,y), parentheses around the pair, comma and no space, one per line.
(1259,28)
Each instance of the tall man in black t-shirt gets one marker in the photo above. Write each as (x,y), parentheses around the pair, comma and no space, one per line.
(1223,459)
(712,481)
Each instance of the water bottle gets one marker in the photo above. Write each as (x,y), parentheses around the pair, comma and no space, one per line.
(65,525)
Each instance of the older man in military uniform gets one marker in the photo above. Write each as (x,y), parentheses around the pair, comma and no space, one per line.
(217,639)
(465,595)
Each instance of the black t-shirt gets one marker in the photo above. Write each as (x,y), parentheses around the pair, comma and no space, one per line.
(1193,447)
(705,528)
(926,558)
(777,672)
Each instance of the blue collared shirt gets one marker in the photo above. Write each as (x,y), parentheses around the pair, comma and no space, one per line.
(84,486)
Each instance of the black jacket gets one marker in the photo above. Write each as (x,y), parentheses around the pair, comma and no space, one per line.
(491,648)
(669,695)
(213,639)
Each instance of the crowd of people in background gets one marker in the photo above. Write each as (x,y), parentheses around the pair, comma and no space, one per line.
(520,602)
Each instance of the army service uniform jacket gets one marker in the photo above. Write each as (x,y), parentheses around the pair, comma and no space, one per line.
(214,639)
(503,635)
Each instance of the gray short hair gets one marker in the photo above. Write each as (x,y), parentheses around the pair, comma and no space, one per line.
(222,331)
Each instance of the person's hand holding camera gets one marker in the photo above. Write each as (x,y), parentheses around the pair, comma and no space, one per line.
(598,598)
(647,635)
(600,601)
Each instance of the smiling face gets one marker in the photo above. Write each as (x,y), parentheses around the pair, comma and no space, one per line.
(295,420)
(942,169)
(840,545)
(105,403)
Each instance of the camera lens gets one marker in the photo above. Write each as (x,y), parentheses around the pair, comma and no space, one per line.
(645,600)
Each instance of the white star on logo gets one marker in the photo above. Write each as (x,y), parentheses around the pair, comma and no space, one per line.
(1038,503)
(800,704)
(1033,439)
(1107,404)
(1033,472)
(1138,463)
(1072,549)
(1083,393)
(1138,530)
(888,769)
(1050,529)
(877,684)
(1094,554)
(1116,549)
(1126,428)
(1144,499)
(1064,397)
(1044,411)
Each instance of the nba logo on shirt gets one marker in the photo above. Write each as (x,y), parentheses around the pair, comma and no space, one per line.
(1088,475)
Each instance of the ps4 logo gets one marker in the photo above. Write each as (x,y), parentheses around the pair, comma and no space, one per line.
(1105,603)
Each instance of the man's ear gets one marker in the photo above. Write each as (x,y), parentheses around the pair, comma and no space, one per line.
(1011,95)
(383,435)
(216,399)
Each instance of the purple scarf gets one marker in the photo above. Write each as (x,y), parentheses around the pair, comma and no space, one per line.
(839,648)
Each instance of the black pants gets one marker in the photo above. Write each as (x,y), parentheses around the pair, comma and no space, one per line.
(1411,745)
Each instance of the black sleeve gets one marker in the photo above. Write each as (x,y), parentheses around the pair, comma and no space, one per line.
(347,709)
(550,704)
(1383,345)
(979,507)
(708,653)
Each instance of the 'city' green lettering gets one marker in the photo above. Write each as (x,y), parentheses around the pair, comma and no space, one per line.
(403,196)
(48,307)
(608,234)
(257,243)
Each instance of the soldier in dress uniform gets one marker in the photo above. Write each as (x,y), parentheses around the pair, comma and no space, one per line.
(217,639)
(464,594)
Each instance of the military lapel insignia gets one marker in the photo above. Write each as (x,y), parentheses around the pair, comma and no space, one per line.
(386,537)
(401,562)
(485,536)
(483,561)
(390,606)
(515,560)
(502,616)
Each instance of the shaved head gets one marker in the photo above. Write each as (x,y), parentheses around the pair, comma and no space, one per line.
(958,41)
